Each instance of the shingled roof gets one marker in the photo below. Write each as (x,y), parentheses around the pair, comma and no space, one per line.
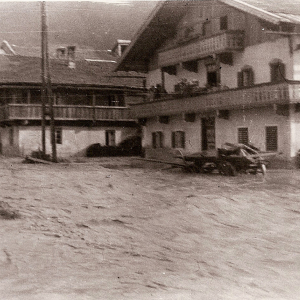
(275,11)
(16,69)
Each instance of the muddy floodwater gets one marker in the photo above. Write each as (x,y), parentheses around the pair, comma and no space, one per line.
(119,229)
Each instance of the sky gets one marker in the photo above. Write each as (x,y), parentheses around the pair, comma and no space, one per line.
(87,24)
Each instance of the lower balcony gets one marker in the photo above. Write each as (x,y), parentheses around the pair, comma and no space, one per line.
(11,112)
(259,95)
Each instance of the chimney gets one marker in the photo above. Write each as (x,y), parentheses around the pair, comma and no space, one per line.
(71,56)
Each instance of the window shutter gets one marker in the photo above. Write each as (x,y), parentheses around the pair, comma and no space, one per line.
(173,139)
(251,77)
(161,139)
(154,140)
(243,137)
(281,68)
(271,138)
(240,79)
(183,139)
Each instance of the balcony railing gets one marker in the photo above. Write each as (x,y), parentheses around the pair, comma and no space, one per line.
(65,112)
(259,95)
(225,42)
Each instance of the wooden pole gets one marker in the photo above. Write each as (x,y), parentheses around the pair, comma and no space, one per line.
(49,91)
(43,90)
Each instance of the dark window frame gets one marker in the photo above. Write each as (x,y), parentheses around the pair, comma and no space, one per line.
(277,71)
(224,23)
(110,137)
(58,136)
(157,139)
(178,139)
(271,138)
(246,77)
(243,135)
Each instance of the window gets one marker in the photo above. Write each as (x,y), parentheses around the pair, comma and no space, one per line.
(246,77)
(213,75)
(110,137)
(58,136)
(190,117)
(271,138)
(277,69)
(178,139)
(11,136)
(207,28)
(224,23)
(157,139)
(243,137)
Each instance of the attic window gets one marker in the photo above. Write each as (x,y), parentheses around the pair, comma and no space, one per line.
(61,53)
(266,26)
(286,27)
(224,23)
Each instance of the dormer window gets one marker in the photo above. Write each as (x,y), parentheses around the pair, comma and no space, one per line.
(277,70)
(61,53)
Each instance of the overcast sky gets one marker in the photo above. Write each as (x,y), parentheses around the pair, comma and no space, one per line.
(96,24)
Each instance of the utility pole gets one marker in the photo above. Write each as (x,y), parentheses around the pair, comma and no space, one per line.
(48,83)
(43,90)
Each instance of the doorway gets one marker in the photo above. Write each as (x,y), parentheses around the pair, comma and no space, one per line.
(208,133)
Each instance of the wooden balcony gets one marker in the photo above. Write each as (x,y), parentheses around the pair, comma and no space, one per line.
(256,96)
(226,42)
(65,112)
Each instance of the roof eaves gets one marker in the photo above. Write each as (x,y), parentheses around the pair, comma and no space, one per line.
(139,32)
(260,13)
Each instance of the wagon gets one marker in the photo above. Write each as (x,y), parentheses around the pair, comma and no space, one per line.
(228,160)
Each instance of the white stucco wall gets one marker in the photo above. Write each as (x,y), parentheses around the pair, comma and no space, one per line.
(74,139)
(256,120)
(296,57)
(295,131)
(227,130)
(176,123)
(257,56)
(8,135)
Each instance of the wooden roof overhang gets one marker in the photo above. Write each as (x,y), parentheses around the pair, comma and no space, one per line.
(162,22)
(160,25)
(23,85)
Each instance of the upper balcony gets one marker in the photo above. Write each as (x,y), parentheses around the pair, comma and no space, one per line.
(256,96)
(11,112)
(228,41)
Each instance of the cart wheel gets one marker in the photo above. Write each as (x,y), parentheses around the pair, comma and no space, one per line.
(263,169)
(207,168)
(221,168)
(227,169)
(191,169)
(231,170)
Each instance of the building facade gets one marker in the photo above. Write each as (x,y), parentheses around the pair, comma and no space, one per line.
(91,103)
(217,72)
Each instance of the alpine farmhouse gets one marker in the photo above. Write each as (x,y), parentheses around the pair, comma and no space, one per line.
(219,71)
(91,102)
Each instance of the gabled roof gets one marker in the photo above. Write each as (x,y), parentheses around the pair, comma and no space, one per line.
(274,11)
(22,70)
(162,22)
